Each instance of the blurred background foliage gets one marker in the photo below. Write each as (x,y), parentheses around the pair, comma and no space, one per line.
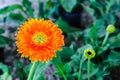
(83,23)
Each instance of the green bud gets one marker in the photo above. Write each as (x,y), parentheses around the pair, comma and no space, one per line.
(89,53)
(110,28)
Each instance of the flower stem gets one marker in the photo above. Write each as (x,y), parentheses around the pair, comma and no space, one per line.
(105,39)
(65,78)
(79,74)
(88,69)
(32,71)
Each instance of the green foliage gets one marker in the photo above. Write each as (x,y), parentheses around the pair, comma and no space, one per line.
(68,5)
(6,74)
(113,59)
(6,10)
(38,74)
(114,41)
(88,9)
(4,41)
(65,26)
(20,67)
(1,31)
(28,8)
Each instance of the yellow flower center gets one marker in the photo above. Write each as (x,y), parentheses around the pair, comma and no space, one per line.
(39,38)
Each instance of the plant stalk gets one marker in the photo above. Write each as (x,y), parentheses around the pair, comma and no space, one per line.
(32,71)
(105,39)
(79,74)
(65,78)
(88,69)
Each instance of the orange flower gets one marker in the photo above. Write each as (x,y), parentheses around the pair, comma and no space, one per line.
(39,39)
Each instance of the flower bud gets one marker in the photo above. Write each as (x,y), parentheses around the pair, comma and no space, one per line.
(89,53)
(110,28)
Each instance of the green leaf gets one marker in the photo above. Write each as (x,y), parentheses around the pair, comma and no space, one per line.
(15,17)
(3,67)
(51,11)
(102,72)
(93,33)
(98,29)
(6,10)
(76,35)
(81,49)
(57,62)
(114,41)
(110,18)
(27,68)
(68,5)
(109,5)
(1,31)
(93,70)
(78,57)
(97,5)
(113,59)
(67,67)
(28,6)
(41,67)
(88,9)
(20,68)
(66,53)
(65,26)
(4,41)
(5,75)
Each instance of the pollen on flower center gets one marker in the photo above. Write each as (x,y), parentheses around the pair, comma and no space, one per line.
(39,38)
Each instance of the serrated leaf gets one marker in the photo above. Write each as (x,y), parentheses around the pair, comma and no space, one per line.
(68,5)
(28,6)
(4,41)
(113,59)
(93,70)
(3,67)
(114,41)
(97,5)
(81,49)
(88,9)
(20,69)
(51,11)
(66,53)
(1,31)
(109,5)
(5,75)
(93,33)
(65,26)
(78,58)
(99,27)
(6,10)
(67,67)
(15,17)
(27,68)
(57,62)
(40,68)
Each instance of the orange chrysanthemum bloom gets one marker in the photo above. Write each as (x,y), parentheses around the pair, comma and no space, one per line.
(39,39)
